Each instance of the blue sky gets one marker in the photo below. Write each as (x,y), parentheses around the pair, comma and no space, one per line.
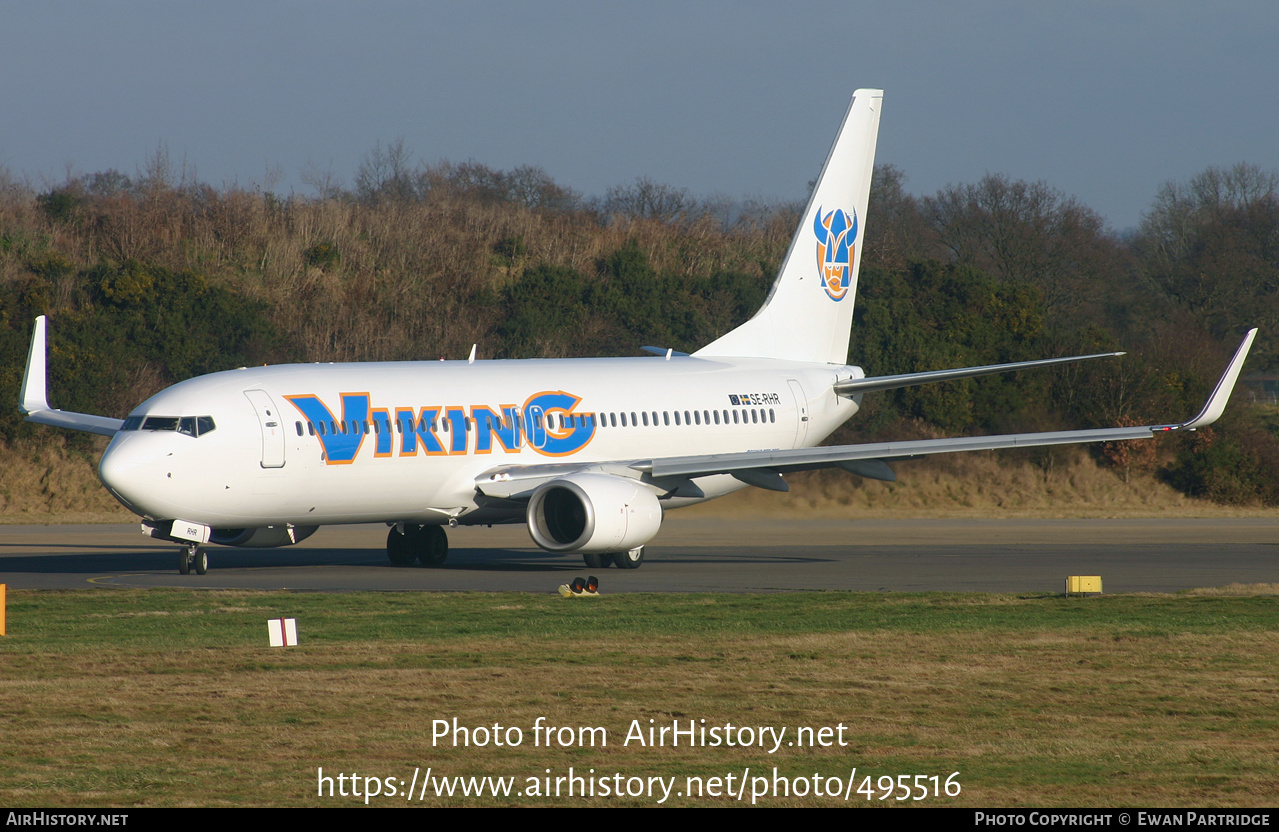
(1103,100)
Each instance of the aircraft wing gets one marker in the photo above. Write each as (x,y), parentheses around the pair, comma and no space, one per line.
(35,400)
(765,468)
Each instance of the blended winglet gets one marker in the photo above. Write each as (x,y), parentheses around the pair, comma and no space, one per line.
(33,399)
(1216,404)
(34,396)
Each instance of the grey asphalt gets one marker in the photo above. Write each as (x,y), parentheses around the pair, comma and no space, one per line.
(693,554)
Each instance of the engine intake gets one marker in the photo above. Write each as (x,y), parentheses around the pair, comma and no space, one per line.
(593,513)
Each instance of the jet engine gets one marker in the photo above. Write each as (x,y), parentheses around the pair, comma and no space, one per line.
(593,513)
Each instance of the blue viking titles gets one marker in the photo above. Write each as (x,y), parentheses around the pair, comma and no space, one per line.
(547,423)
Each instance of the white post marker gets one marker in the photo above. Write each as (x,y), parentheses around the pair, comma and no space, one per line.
(283,632)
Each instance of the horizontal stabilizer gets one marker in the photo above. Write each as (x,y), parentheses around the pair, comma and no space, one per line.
(866,385)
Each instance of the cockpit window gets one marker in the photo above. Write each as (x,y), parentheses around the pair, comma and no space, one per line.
(188,425)
(160,423)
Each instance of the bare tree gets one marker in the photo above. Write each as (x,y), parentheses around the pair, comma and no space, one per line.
(1022,231)
(386,174)
(646,199)
(327,184)
(896,230)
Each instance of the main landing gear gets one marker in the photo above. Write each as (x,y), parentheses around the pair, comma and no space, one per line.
(193,557)
(624,560)
(428,545)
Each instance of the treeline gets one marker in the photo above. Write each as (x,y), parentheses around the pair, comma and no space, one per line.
(154,278)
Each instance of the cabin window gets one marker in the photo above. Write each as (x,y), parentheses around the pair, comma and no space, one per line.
(322,433)
(717,417)
(299,425)
(310,427)
(697,417)
(677,417)
(687,421)
(772,417)
(645,415)
(666,418)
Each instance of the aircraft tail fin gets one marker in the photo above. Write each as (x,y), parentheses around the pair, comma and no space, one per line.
(808,315)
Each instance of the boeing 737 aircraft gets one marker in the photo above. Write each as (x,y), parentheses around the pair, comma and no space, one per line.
(589,453)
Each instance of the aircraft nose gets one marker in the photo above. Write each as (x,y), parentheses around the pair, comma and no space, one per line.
(129,472)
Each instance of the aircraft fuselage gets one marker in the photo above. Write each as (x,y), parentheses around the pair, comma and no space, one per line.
(320,444)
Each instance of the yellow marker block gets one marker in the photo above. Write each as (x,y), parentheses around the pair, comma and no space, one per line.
(1083,583)
(4,602)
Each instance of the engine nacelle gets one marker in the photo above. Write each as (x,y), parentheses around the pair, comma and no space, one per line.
(593,513)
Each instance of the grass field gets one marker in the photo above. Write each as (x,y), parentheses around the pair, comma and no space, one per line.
(173,698)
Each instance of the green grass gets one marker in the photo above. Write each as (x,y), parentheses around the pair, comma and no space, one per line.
(159,697)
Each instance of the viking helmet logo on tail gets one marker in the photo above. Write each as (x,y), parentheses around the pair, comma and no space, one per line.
(836,235)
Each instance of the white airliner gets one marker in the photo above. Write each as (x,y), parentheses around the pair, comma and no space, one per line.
(589,453)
